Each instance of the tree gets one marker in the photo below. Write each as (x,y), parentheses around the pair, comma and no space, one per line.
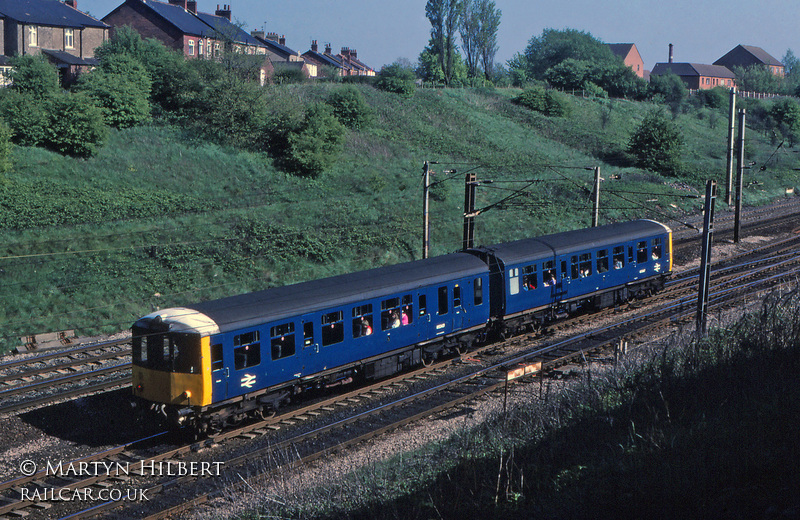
(489,16)
(34,75)
(757,78)
(76,125)
(121,88)
(316,144)
(470,27)
(444,16)
(555,46)
(669,87)
(5,147)
(396,78)
(657,144)
(349,107)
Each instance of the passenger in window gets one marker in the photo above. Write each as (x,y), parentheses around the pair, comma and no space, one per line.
(617,264)
(366,328)
(549,279)
(396,319)
(404,316)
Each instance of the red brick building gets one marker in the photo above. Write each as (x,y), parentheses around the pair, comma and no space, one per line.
(749,56)
(630,56)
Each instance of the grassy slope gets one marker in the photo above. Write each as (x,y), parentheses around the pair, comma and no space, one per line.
(157,219)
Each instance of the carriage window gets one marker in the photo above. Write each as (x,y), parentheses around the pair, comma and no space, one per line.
(332,328)
(575,268)
(282,340)
(656,252)
(408,309)
(217,362)
(478,288)
(456,296)
(423,304)
(442,300)
(564,271)
(619,257)
(362,320)
(308,334)
(602,261)
(549,273)
(513,281)
(247,350)
(529,277)
(630,254)
(586,265)
(641,252)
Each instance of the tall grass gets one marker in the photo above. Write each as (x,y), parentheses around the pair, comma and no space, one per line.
(158,211)
(686,429)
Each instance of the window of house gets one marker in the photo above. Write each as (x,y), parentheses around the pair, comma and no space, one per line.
(602,261)
(69,38)
(282,342)
(200,47)
(208,47)
(246,350)
(362,320)
(191,47)
(332,328)
(33,36)
(641,252)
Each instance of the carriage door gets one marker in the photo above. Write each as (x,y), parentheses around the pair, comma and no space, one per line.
(441,321)
(458,310)
(219,374)
(310,351)
(563,282)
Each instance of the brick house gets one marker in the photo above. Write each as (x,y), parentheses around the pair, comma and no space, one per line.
(322,59)
(180,26)
(698,76)
(748,56)
(630,56)
(346,63)
(55,29)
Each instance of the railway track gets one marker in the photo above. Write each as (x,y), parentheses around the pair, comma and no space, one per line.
(316,430)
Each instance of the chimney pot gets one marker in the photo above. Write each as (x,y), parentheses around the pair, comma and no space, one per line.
(670,53)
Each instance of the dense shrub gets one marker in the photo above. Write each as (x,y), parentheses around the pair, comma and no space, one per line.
(316,144)
(396,78)
(285,74)
(668,88)
(5,147)
(349,107)
(25,115)
(657,144)
(121,88)
(539,99)
(717,97)
(76,126)
(34,75)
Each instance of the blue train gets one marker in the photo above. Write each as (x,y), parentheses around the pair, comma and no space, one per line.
(217,362)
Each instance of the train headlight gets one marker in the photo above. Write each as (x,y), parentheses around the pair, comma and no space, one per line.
(187,394)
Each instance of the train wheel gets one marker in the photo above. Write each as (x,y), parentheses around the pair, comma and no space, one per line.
(428,359)
(265,413)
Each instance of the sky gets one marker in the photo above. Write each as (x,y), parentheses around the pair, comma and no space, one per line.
(382,31)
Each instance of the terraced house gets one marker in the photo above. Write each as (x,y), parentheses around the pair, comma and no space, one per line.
(58,30)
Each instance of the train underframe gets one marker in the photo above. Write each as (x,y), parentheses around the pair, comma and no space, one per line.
(265,403)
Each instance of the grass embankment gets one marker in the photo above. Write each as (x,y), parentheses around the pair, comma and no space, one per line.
(159,219)
(688,429)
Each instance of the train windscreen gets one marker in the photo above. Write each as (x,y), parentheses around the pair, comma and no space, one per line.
(166,351)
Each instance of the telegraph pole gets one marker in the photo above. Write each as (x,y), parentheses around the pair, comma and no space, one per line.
(739,178)
(596,198)
(705,257)
(426,224)
(470,182)
(731,125)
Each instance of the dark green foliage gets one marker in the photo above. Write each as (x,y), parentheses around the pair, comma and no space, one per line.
(554,46)
(76,126)
(668,88)
(614,78)
(717,97)
(657,144)
(285,74)
(121,88)
(317,142)
(548,102)
(34,75)
(757,78)
(397,79)
(786,115)
(349,107)
(570,74)
(25,115)
(5,147)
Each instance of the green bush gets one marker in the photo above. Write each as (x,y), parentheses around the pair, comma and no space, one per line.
(5,147)
(34,75)
(657,144)
(25,114)
(349,107)
(547,102)
(284,74)
(396,78)
(121,88)
(76,125)
(316,144)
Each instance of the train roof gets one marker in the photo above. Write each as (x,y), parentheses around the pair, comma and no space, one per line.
(251,309)
(548,246)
